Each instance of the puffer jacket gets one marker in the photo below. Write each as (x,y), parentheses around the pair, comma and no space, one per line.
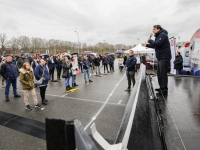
(161,45)
(178,62)
(66,69)
(105,60)
(38,74)
(58,63)
(26,79)
(97,61)
(9,70)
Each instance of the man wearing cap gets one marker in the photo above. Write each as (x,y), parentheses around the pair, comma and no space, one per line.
(10,73)
(21,61)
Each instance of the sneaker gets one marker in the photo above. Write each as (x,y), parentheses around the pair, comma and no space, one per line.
(7,99)
(28,107)
(128,89)
(38,106)
(90,81)
(17,95)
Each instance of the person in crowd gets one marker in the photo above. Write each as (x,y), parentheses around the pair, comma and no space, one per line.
(3,80)
(97,64)
(37,56)
(143,59)
(21,61)
(51,66)
(27,84)
(45,59)
(80,66)
(130,69)
(35,63)
(1,59)
(178,63)
(113,57)
(105,63)
(163,55)
(67,72)
(74,70)
(10,73)
(14,61)
(111,63)
(17,57)
(58,65)
(100,56)
(125,59)
(91,60)
(86,69)
(30,59)
(42,72)
(138,62)
(121,63)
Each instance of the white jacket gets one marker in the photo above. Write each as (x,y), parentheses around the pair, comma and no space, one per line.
(138,60)
(121,61)
(74,67)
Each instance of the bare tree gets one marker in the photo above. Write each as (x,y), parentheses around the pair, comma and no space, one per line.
(14,45)
(3,42)
(24,43)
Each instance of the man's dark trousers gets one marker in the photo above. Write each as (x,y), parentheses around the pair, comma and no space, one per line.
(51,73)
(130,77)
(162,73)
(14,84)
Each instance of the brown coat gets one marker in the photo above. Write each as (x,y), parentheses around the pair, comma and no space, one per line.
(26,79)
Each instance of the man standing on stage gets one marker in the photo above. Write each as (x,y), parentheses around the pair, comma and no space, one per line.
(163,54)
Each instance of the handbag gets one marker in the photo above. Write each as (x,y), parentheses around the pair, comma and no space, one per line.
(78,71)
(39,82)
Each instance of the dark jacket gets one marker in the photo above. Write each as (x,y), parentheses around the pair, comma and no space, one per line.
(30,60)
(80,59)
(9,70)
(161,45)
(105,60)
(131,63)
(21,61)
(178,63)
(86,64)
(66,69)
(58,63)
(50,64)
(38,74)
(97,61)
(125,59)
(111,61)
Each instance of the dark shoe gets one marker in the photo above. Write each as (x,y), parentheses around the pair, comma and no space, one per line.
(38,106)
(164,92)
(16,96)
(108,71)
(7,99)
(85,81)
(157,90)
(90,81)
(75,84)
(28,107)
(44,102)
(127,89)
(69,87)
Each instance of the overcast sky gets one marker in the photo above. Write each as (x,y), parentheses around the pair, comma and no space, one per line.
(115,21)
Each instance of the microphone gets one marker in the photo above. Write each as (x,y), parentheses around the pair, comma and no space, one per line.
(151,34)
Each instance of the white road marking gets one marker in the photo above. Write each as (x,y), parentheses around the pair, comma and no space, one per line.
(64,95)
(106,102)
(120,101)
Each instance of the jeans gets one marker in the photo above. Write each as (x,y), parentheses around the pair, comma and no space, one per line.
(67,80)
(162,73)
(51,73)
(111,67)
(178,72)
(86,71)
(42,92)
(97,69)
(73,79)
(58,72)
(130,77)
(92,68)
(14,84)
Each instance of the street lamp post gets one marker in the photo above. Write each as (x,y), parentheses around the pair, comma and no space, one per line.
(78,41)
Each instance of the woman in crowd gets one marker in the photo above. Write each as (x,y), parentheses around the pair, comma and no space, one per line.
(67,72)
(27,83)
(178,63)
(86,69)
(74,71)
(121,63)
(35,63)
(42,72)
(58,65)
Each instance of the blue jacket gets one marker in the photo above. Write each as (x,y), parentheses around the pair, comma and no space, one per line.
(58,63)
(111,61)
(161,45)
(50,64)
(9,70)
(131,63)
(38,74)
(105,60)
(34,64)
(85,64)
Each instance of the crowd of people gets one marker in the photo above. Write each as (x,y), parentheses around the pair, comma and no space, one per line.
(38,71)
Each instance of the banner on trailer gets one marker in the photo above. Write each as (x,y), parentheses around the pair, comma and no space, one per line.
(173,52)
